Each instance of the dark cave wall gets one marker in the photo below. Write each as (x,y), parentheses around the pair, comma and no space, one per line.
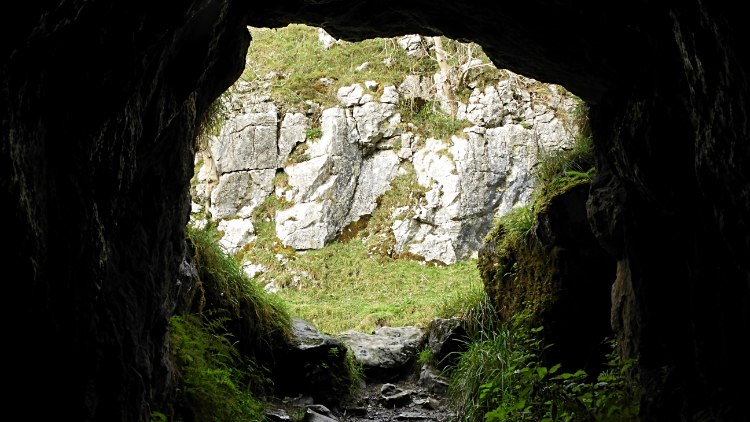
(99,111)
(99,106)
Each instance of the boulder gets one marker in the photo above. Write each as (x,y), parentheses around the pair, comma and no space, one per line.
(388,348)
(349,95)
(313,364)
(237,234)
(376,121)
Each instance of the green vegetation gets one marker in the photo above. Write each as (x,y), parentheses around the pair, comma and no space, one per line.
(344,287)
(501,377)
(430,121)
(217,381)
(291,62)
(228,328)
(259,321)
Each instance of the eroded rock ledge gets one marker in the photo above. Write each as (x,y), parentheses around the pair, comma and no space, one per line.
(100,101)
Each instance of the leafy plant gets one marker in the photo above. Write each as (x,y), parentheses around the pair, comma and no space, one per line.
(215,379)
(501,377)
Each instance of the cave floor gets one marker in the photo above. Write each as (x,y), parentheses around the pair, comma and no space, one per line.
(416,405)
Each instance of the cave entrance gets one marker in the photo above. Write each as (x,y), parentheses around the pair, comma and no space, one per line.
(357,183)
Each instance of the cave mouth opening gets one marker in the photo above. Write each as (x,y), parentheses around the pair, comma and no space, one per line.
(398,245)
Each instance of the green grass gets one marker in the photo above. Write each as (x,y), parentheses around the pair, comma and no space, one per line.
(216,381)
(346,287)
(299,61)
(430,121)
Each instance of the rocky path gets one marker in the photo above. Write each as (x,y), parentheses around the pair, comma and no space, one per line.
(404,400)
(393,391)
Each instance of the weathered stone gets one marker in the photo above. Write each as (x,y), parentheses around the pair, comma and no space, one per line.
(326,40)
(248,142)
(240,192)
(237,233)
(390,95)
(378,171)
(446,338)
(349,95)
(313,416)
(388,348)
(416,46)
(376,121)
(277,415)
(293,132)
(371,85)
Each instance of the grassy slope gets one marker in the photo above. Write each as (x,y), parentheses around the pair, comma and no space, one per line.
(355,289)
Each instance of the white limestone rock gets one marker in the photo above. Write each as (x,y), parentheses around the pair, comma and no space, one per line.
(326,40)
(378,171)
(293,131)
(237,234)
(371,85)
(247,142)
(416,46)
(376,121)
(349,95)
(242,190)
(390,95)
(305,226)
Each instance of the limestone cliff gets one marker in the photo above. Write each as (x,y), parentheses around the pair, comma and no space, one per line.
(365,143)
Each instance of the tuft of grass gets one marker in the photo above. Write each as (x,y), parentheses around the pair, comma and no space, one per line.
(299,155)
(430,121)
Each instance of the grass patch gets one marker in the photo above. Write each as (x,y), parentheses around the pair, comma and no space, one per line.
(430,121)
(258,321)
(346,287)
(290,62)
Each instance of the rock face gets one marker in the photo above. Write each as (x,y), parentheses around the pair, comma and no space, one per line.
(97,153)
(388,348)
(355,161)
